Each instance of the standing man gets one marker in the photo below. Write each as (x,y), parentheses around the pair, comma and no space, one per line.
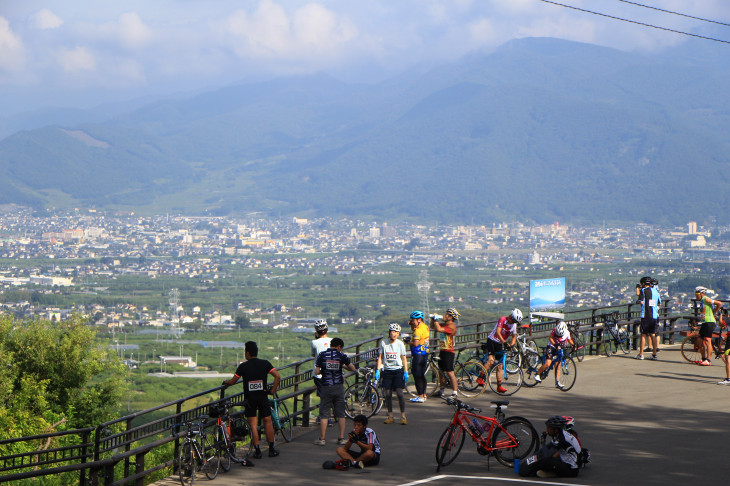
(504,330)
(447,332)
(708,307)
(650,302)
(394,363)
(319,344)
(254,373)
(419,354)
(329,364)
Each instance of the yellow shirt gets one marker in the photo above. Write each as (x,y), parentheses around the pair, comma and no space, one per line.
(421,334)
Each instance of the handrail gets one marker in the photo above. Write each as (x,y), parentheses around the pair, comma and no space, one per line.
(116,453)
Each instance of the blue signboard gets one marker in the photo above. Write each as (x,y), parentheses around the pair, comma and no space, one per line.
(547,294)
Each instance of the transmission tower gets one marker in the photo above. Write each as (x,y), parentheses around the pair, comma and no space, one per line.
(174,316)
(423,286)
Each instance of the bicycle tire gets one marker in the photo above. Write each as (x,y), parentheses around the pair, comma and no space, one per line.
(512,378)
(609,343)
(285,422)
(530,354)
(220,440)
(211,456)
(690,349)
(449,445)
(568,374)
(580,347)
(515,353)
(186,464)
(468,376)
(362,398)
(242,447)
(623,341)
(531,371)
(432,382)
(514,429)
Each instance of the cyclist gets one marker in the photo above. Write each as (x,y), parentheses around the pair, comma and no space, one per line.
(558,338)
(504,330)
(363,437)
(419,354)
(254,373)
(447,332)
(319,344)
(708,308)
(330,363)
(650,302)
(558,457)
(394,363)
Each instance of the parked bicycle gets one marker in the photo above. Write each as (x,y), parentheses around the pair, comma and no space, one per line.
(691,347)
(510,371)
(614,337)
(524,348)
(466,377)
(578,351)
(568,371)
(279,419)
(363,397)
(198,451)
(506,439)
(232,434)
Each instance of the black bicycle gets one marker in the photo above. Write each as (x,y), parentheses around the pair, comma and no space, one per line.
(615,337)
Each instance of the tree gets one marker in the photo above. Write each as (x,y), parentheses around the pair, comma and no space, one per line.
(242,321)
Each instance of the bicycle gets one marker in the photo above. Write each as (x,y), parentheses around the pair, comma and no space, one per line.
(524,347)
(466,377)
(568,371)
(279,419)
(506,439)
(233,435)
(579,349)
(614,337)
(692,344)
(199,451)
(512,375)
(363,397)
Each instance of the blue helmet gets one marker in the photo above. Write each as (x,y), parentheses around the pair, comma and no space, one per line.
(416,315)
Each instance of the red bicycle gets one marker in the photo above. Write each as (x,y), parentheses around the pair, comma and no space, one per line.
(506,439)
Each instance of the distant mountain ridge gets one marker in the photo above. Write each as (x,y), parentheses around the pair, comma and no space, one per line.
(539,130)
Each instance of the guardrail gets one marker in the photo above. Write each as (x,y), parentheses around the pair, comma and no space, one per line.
(117,453)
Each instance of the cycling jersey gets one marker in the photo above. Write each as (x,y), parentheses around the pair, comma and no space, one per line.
(505,328)
(330,363)
(569,448)
(254,373)
(392,354)
(708,314)
(446,340)
(559,341)
(422,334)
(650,302)
(371,438)
(319,345)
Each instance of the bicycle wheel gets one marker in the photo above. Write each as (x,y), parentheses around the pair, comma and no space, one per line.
(531,371)
(623,341)
(432,382)
(515,353)
(186,464)
(511,379)
(240,447)
(362,398)
(449,445)
(470,378)
(515,438)
(568,374)
(285,422)
(211,456)
(220,442)
(608,342)
(580,347)
(691,346)
(530,355)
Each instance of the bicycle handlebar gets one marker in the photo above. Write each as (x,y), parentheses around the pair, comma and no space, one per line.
(459,405)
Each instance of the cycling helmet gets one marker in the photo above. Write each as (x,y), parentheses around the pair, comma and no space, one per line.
(569,421)
(394,327)
(516,315)
(700,289)
(320,325)
(557,421)
(453,313)
(654,282)
(416,315)
(645,280)
(561,328)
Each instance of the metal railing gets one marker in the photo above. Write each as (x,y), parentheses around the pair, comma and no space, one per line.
(116,453)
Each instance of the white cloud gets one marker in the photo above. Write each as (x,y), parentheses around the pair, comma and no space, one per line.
(76,60)
(11,48)
(45,19)
(132,31)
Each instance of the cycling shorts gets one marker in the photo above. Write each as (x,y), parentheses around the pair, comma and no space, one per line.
(706,329)
(446,361)
(258,406)
(648,325)
(493,347)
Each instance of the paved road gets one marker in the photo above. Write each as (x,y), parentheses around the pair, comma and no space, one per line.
(645,422)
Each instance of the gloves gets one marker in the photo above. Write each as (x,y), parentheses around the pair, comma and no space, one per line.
(405,376)
(377,375)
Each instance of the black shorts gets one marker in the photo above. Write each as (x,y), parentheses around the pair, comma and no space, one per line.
(257,406)
(493,347)
(648,325)
(706,329)
(446,361)
(372,462)
(393,379)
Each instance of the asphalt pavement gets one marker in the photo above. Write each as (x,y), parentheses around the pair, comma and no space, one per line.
(645,423)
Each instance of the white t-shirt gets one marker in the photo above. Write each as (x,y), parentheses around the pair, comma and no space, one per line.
(392,354)
(319,345)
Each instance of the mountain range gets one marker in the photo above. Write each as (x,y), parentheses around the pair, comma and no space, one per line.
(539,130)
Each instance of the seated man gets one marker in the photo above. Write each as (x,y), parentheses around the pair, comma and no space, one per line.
(557,457)
(366,440)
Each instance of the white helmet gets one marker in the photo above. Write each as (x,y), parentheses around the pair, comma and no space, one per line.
(700,289)
(516,315)
(561,328)
(394,327)
(320,325)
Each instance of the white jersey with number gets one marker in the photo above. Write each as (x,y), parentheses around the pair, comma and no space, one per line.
(392,354)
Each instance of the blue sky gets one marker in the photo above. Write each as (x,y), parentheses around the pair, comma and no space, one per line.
(80,53)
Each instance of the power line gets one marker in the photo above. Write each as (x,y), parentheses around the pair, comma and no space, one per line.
(675,13)
(636,22)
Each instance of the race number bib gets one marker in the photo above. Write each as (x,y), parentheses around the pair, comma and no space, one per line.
(531,460)
(332,365)
(652,303)
(391,357)
(257,385)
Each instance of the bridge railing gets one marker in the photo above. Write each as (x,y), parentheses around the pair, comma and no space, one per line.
(128,450)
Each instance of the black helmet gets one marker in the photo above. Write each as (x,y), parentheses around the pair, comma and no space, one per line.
(645,280)
(557,421)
